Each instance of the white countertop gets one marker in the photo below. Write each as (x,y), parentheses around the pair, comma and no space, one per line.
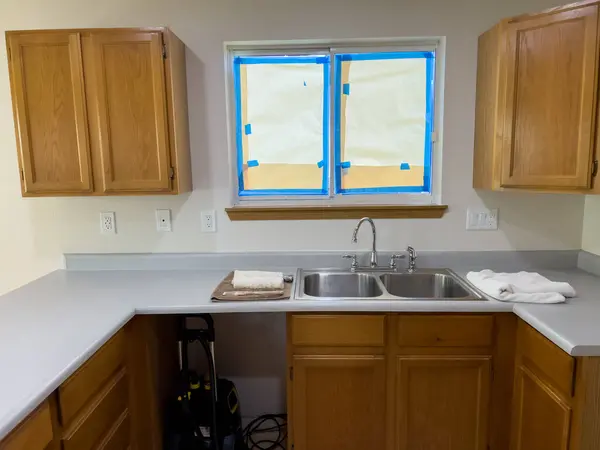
(49,327)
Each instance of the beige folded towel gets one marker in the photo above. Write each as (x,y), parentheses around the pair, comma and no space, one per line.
(257,279)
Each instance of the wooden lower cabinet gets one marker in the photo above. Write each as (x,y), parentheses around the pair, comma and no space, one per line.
(34,433)
(541,418)
(339,402)
(442,402)
(114,401)
(424,385)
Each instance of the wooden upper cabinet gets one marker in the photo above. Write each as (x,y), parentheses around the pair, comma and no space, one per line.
(50,113)
(536,101)
(131,107)
(100,112)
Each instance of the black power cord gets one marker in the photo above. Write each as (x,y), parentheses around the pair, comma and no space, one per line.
(267,423)
(216,444)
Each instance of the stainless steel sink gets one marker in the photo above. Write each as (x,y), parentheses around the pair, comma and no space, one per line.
(425,284)
(346,285)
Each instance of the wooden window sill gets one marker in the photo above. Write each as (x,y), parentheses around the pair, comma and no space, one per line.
(239,213)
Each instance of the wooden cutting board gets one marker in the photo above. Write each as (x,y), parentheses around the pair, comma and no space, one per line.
(224,292)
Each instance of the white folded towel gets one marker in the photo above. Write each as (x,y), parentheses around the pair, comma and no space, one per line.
(522,287)
(256,279)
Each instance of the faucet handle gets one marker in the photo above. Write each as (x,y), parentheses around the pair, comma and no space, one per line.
(354,262)
(393,259)
(412,259)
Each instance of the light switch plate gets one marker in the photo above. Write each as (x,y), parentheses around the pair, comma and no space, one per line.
(482,219)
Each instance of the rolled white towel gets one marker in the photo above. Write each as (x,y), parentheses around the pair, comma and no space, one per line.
(256,279)
(521,287)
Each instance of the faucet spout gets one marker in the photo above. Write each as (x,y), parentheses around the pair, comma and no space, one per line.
(355,239)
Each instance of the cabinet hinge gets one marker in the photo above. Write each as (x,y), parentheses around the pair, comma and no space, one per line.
(164,51)
(595,168)
(171,173)
(291,376)
(8,54)
(434,136)
(22,175)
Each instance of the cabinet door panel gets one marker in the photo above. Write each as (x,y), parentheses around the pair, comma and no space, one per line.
(50,112)
(541,419)
(549,113)
(130,94)
(338,402)
(442,402)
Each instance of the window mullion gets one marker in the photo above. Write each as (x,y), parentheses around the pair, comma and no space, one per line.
(332,113)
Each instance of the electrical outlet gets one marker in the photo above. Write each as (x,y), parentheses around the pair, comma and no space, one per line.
(482,219)
(209,224)
(163,220)
(108,223)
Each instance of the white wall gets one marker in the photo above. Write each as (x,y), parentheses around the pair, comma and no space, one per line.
(591,225)
(35,232)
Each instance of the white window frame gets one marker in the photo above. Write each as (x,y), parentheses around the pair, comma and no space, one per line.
(333,47)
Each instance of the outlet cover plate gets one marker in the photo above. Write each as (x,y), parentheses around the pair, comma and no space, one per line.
(163,220)
(108,224)
(208,221)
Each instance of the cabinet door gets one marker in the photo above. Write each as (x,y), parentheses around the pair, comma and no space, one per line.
(442,402)
(551,65)
(338,402)
(541,419)
(50,113)
(130,99)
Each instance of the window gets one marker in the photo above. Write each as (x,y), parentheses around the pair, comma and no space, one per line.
(333,123)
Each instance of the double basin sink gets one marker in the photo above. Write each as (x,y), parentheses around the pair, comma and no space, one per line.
(425,284)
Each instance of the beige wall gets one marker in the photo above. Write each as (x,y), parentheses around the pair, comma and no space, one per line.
(35,232)
(591,225)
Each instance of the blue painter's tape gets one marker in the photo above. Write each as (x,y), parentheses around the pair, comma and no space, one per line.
(248,129)
(345,164)
(253,163)
(320,164)
(337,102)
(281,192)
(405,166)
(386,55)
(280,60)
(385,190)
(426,183)
(238,128)
(346,88)
(326,113)
(429,117)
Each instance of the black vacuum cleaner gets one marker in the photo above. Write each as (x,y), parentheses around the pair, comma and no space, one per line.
(205,413)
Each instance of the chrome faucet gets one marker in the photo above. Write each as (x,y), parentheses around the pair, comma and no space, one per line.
(412,259)
(354,238)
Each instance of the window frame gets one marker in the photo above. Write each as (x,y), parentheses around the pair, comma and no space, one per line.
(332,48)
